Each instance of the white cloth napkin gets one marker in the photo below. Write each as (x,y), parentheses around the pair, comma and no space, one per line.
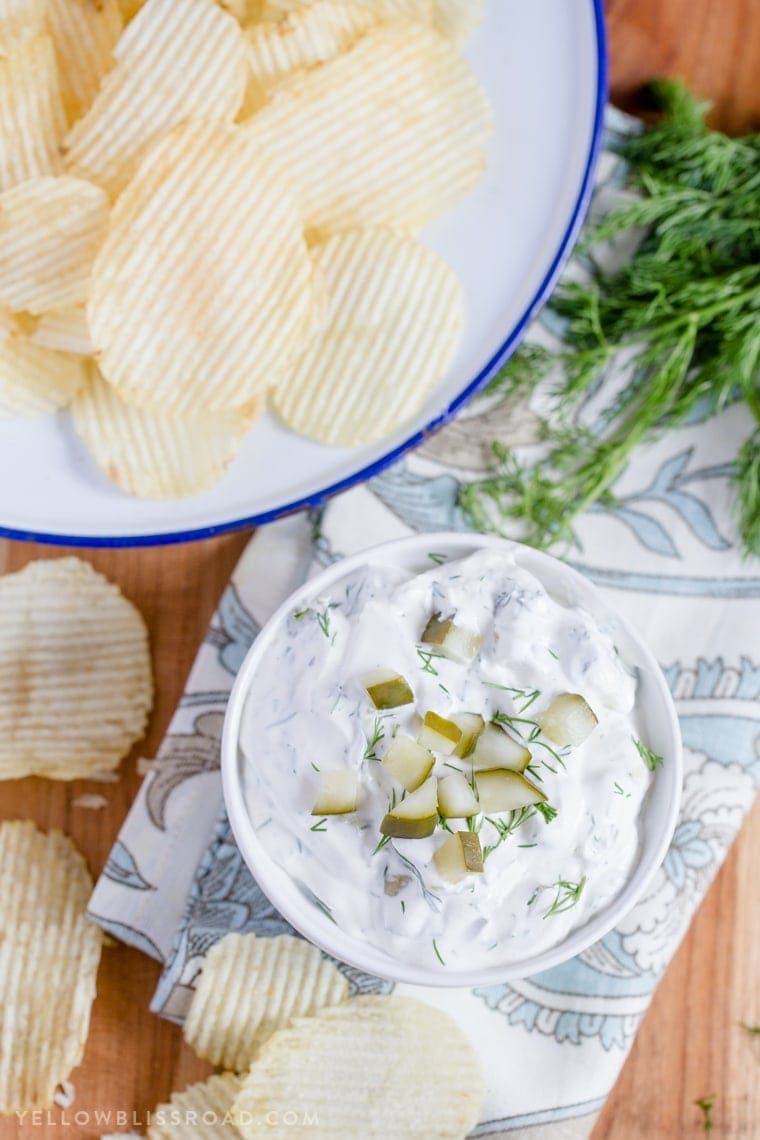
(666,556)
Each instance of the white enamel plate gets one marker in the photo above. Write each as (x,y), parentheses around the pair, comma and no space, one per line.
(543,64)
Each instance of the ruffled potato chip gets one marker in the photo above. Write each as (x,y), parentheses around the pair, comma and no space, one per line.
(301,39)
(50,230)
(204,290)
(153,455)
(74,659)
(177,60)
(85,33)
(34,379)
(393,132)
(65,330)
(249,987)
(203,1108)
(49,955)
(395,314)
(32,116)
(373,1067)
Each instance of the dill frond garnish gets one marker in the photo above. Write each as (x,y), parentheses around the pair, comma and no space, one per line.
(682,318)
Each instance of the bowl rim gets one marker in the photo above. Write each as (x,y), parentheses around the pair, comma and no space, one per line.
(476,384)
(317,928)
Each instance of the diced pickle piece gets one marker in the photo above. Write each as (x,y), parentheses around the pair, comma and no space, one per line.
(495,748)
(387,690)
(439,734)
(471,850)
(338,793)
(416,815)
(408,762)
(471,724)
(456,799)
(568,720)
(453,640)
(436,630)
(503,789)
(458,856)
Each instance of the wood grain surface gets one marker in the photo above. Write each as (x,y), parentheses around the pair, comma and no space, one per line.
(691,1043)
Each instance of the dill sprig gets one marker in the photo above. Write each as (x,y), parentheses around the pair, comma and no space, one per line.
(567,896)
(651,758)
(426,657)
(378,732)
(682,317)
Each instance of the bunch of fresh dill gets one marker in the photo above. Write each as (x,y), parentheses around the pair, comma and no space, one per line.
(683,313)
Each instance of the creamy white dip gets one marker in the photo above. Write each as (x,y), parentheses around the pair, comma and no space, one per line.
(307,713)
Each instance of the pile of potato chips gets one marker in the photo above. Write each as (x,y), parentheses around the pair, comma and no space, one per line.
(205,204)
(300,1053)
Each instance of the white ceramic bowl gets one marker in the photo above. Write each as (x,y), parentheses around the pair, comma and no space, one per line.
(661,731)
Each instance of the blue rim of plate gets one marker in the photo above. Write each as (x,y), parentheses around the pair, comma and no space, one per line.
(317,498)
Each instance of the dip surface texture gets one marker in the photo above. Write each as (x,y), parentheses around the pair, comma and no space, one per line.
(308,713)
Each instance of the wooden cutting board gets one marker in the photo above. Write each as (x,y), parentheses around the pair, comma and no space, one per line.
(691,1043)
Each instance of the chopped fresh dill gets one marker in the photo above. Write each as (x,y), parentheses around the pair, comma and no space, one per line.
(515,722)
(436,557)
(651,759)
(426,659)
(403,906)
(552,751)
(453,767)
(620,791)
(527,845)
(527,696)
(444,823)
(443,688)
(547,811)
(474,823)
(383,841)
(378,732)
(705,1105)
(320,825)
(554,655)
(323,618)
(314,766)
(567,896)
(299,615)
(438,953)
(534,772)
(678,319)
(506,827)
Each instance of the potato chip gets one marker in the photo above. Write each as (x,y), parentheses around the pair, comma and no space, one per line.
(32,117)
(85,33)
(301,39)
(249,987)
(371,1067)
(50,230)
(394,318)
(382,10)
(392,132)
(66,330)
(177,60)
(201,1111)
(20,21)
(34,379)
(75,666)
(204,289)
(49,955)
(153,455)
(457,19)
